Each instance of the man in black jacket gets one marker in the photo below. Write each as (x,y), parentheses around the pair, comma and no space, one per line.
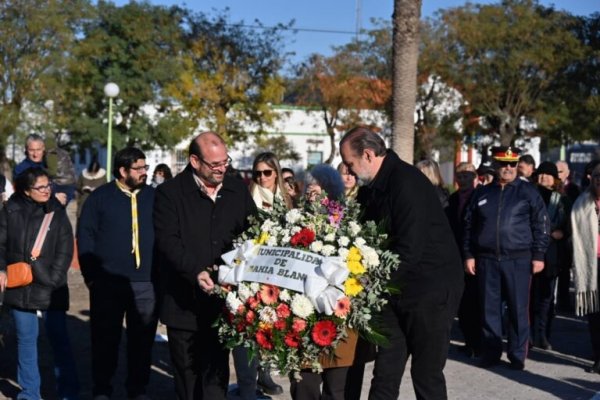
(505,239)
(116,238)
(197,215)
(417,321)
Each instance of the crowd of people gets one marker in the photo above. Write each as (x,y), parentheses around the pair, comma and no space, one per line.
(499,252)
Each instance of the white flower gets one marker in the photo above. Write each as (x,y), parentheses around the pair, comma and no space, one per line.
(295,230)
(316,246)
(330,237)
(343,253)
(267,226)
(354,228)
(285,239)
(272,241)
(370,256)
(301,306)
(344,241)
(328,250)
(293,216)
(359,241)
(268,315)
(284,296)
(254,287)
(233,303)
(244,292)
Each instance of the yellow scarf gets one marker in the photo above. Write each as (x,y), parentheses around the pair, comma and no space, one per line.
(135,238)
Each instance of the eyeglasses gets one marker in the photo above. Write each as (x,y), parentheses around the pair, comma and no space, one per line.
(290,180)
(142,168)
(512,164)
(216,165)
(265,172)
(41,188)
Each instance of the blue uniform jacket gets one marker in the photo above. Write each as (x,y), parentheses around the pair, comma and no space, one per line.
(506,222)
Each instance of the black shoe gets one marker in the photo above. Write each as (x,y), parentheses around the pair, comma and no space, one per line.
(488,363)
(266,384)
(595,368)
(517,365)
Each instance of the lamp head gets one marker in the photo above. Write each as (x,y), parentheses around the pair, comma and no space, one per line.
(111,90)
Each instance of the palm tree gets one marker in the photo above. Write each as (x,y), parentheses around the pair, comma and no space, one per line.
(405,54)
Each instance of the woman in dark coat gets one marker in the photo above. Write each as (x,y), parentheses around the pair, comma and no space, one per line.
(20,222)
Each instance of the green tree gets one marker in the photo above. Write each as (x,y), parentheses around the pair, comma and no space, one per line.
(230,77)
(503,58)
(136,46)
(36,37)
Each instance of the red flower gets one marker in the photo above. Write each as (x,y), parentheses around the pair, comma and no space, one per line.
(283,310)
(292,339)
(269,294)
(298,325)
(303,238)
(241,326)
(324,332)
(250,316)
(263,338)
(279,324)
(252,303)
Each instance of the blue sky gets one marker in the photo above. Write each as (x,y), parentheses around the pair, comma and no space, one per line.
(334,15)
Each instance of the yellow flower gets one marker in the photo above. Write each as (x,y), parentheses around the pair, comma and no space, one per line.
(356,267)
(352,287)
(264,236)
(354,254)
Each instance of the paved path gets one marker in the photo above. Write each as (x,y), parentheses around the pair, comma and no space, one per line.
(558,374)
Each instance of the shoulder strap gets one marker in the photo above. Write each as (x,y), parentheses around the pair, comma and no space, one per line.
(41,236)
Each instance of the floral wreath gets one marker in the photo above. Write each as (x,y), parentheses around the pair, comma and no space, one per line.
(292,329)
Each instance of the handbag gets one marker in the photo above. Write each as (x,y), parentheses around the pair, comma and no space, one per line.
(19,274)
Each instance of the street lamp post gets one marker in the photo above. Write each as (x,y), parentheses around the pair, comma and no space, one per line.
(111,90)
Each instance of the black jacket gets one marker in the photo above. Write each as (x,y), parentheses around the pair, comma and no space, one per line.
(506,222)
(406,203)
(192,232)
(20,221)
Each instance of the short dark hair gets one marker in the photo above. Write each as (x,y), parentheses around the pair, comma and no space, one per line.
(126,158)
(288,170)
(26,179)
(362,138)
(527,159)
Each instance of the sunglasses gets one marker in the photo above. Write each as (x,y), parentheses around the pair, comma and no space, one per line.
(512,164)
(265,172)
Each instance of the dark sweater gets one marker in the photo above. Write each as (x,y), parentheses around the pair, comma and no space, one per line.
(104,235)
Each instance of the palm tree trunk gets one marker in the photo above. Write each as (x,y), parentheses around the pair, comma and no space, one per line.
(405,53)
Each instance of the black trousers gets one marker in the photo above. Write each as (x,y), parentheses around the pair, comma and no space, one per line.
(309,388)
(469,314)
(111,300)
(201,364)
(421,329)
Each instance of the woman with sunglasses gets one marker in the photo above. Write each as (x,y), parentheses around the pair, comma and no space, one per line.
(267,186)
(20,222)
(267,182)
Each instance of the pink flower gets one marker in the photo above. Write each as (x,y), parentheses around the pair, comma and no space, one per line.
(269,294)
(283,310)
(298,325)
(342,308)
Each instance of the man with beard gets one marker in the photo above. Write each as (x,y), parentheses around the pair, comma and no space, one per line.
(197,215)
(417,321)
(115,237)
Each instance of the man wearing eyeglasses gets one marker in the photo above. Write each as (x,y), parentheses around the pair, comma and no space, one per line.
(116,239)
(505,239)
(197,215)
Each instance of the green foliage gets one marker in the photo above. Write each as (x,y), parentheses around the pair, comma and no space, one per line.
(36,35)
(230,75)
(278,145)
(134,46)
(503,58)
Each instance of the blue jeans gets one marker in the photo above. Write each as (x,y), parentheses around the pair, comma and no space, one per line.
(67,384)
(28,373)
